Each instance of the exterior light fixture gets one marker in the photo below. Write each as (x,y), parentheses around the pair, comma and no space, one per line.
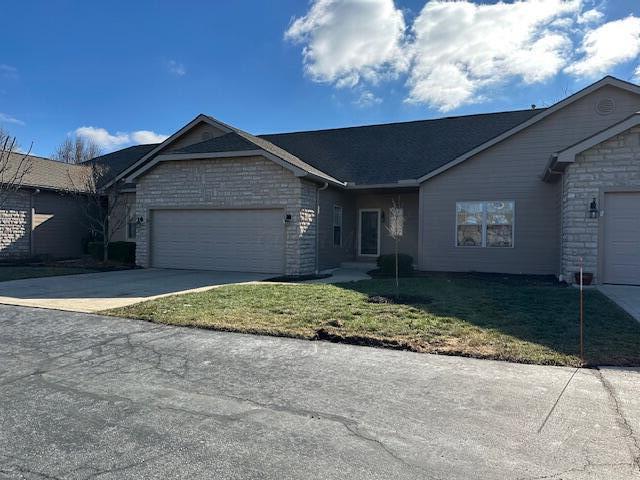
(140,220)
(593,208)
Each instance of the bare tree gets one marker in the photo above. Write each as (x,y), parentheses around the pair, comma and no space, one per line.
(104,210)
(395,228)
(76,150)
(14,166)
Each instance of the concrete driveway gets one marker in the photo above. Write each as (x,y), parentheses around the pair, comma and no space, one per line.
(92,292)
(85,396)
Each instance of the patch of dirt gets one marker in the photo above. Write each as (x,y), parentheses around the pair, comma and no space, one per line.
(402,299)
(331,335)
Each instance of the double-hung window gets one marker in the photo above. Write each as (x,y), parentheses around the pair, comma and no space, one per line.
(485,224)
(337,226)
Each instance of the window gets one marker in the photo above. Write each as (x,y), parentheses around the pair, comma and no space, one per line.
(484,224)
(131,223)
(337,226)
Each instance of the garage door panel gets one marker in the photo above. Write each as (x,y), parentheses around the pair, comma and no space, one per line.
(227,240)
(622,238)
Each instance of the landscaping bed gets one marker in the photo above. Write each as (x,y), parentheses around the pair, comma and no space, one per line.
(514,318)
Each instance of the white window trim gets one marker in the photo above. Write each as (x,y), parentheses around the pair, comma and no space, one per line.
(484,225)
(360,212)
(334,226)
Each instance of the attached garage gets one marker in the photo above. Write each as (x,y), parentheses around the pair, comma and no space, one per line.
(244,240)
(621,238)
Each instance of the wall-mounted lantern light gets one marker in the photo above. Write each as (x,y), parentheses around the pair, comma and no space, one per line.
(140,220)
(593,208)
(287,218)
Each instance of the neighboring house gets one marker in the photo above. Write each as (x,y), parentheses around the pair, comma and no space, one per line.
(523,192)
(40,218)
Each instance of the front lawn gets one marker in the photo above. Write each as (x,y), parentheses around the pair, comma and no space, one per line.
(527,320)
(27,271)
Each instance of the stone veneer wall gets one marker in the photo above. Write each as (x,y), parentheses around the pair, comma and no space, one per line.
(252,182)
(614,163)
(15,225)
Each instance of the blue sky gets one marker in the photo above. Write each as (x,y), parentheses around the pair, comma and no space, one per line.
(130,71)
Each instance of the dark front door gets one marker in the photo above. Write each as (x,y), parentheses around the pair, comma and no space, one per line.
(369,232)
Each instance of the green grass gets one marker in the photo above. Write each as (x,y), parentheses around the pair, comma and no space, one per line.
(18,272)
(527,320)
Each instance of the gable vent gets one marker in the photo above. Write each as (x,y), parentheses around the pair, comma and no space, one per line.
(606,106)
(206,135)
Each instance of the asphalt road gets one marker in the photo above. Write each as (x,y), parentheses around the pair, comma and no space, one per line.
(85,396)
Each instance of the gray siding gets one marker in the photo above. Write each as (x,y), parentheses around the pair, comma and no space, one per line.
(409,202)
(330,255)
(511,170)
(58,225)
(195,135)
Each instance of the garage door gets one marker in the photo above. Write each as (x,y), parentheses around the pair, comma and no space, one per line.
(228,240)
(622,238)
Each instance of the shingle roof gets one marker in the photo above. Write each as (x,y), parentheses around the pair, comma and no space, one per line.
(39,172)
(229,142)
(116,162)
(367,155)
(379,154)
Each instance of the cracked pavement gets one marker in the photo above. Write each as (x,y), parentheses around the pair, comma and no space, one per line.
(84,396)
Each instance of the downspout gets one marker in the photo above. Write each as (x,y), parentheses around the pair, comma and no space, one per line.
(318,190)
(561,272)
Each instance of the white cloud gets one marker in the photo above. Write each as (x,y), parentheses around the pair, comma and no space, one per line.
(346,41)
(608,45)
(636,74)
(110,141)
(367,99)
(4,118)
(590,16)
(147,136)
(460,48)
(177,69)
(457,52)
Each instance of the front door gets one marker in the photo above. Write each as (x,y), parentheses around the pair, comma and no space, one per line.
(369,233)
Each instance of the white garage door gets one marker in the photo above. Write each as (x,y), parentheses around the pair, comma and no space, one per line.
(622,238)
(227,240)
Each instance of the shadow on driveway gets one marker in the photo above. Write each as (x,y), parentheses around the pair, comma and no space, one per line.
(93,292)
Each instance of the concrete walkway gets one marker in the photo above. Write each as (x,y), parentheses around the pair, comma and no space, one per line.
(85,396)
(347,272)
(92,292)
(627,296)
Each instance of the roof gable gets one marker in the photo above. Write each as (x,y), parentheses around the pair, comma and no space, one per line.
(224,145)
(608,80)
(562,159)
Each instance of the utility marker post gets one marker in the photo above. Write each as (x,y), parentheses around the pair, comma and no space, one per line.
(581,312)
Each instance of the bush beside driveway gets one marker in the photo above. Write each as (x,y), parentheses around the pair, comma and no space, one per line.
(526,320)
